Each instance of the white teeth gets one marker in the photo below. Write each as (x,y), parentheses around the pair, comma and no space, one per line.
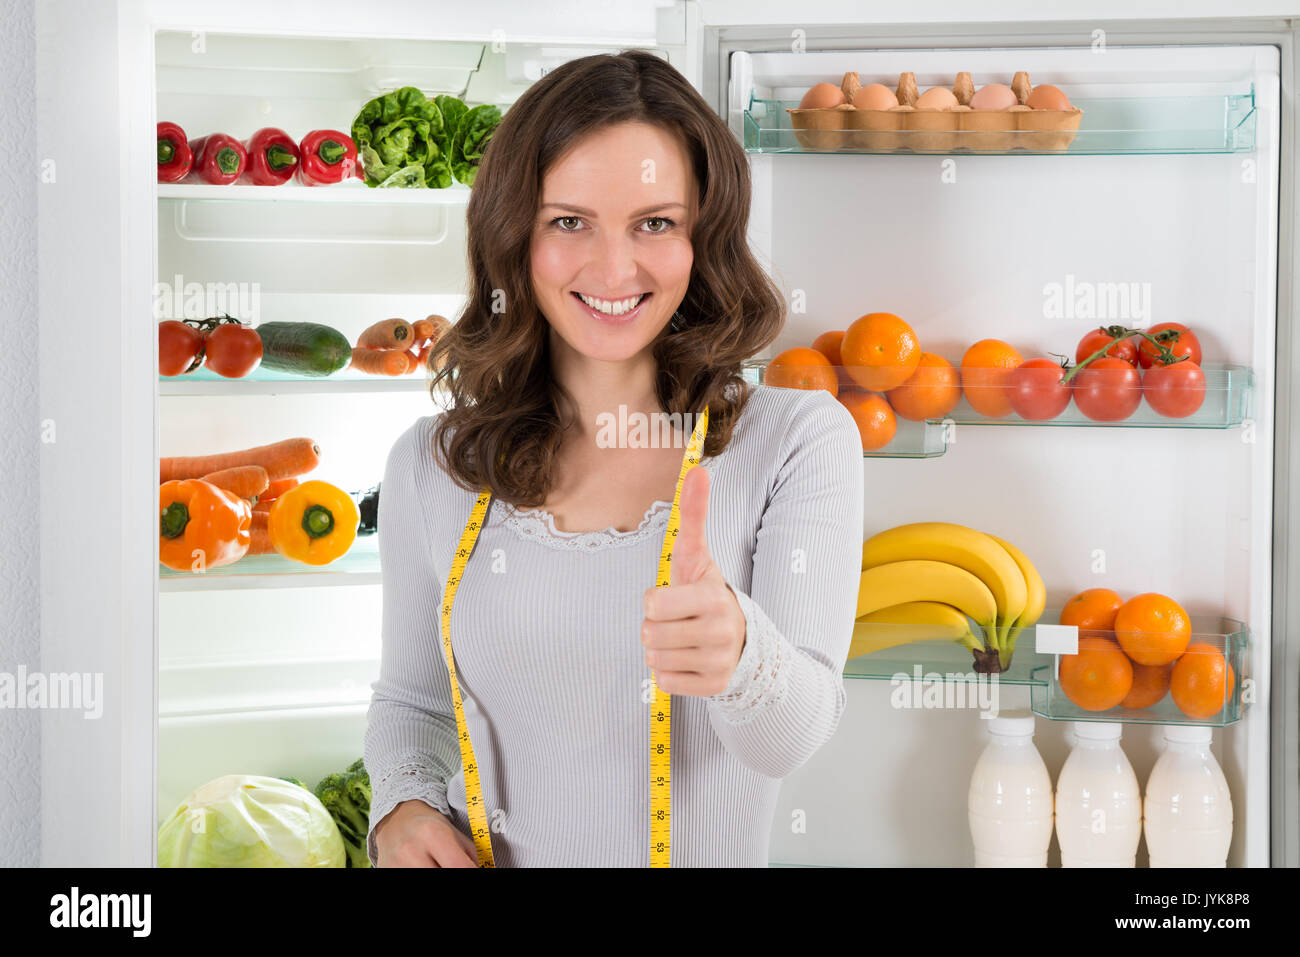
(617,308)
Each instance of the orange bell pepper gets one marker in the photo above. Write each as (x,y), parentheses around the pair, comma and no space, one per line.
(314,523)
(197,516)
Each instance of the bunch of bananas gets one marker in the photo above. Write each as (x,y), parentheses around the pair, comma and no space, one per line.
(930,580)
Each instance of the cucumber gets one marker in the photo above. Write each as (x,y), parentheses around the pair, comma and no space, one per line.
(303,348)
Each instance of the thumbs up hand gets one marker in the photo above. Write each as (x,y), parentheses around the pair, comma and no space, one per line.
(694,629)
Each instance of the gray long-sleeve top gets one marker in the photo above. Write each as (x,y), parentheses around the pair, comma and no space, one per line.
(546,631)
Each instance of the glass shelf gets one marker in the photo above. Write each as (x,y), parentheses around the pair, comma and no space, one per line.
(949,662)
(358,566)
(1227,404)
(913,440)
(354,192)
(261,381)
(1225,635)
(1107,126)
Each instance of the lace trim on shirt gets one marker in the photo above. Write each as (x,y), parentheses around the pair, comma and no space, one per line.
(760,679)
(411,780)
(538,524)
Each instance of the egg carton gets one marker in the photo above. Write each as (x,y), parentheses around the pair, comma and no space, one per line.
(907,127)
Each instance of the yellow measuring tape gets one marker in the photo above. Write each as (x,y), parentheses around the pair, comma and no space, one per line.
(660,712)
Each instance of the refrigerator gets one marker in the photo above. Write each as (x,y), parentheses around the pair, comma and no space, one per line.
(1172,202)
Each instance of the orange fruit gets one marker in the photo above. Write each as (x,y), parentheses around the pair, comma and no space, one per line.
(932,391)
(880,351)
(1098,677)
(828,344)
(985,374)
(1202,680)
(1092,610)
(1152,629)
(802,368)
(1150,685)
(875,418)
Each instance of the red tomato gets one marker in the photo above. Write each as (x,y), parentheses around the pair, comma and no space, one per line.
(1035,390)
(233,350)
(1176,390)
(1185,345)
(178,344)
(1107,389)
(1125,349)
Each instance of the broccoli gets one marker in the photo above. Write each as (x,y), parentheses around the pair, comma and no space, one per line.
(346,795)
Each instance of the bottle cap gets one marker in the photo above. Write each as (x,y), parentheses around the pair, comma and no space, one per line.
(1013,723)
(1098,730)
(1188,733)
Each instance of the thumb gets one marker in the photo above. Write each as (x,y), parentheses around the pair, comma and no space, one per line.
(690,550)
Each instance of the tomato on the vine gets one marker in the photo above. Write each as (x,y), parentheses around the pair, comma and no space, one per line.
(1035,389)
(1124,349)
(1185,345)
(178,345)
(1175,390)
(1107,389)
(233,350)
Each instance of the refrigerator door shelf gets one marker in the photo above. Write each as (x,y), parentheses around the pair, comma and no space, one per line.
(942,663)
(1114,125)
(1226,636)
(912,440)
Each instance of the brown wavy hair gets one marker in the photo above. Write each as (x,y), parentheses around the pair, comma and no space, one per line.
(503,425)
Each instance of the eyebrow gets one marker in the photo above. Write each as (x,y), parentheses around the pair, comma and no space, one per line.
(639,212)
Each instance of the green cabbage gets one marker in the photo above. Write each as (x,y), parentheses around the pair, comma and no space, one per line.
(246,820)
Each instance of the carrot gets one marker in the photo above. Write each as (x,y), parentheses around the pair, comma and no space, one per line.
(264,507)
(281,460)
(246,481)
(379,361)
(432,327)
(412,362)
(275,489)
(260,534)
(387,334)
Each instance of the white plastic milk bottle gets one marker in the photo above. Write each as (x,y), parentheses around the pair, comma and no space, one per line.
(1188,809)
(1098,804)
(1010,799)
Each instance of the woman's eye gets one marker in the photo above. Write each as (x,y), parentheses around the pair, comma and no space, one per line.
(668,224)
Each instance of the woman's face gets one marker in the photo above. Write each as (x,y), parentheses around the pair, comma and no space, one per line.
(614,226)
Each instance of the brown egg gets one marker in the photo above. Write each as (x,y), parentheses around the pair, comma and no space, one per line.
(936,98)
(993,96)
(1047,97)
(821,97)
(876,96)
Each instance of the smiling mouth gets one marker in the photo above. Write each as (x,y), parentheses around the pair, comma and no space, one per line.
(636,305)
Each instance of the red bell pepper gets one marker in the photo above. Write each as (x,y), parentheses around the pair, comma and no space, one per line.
(218,159)
(272,157)
(174,154)
(328,156)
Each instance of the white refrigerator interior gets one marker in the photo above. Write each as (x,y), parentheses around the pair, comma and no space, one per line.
(270,673)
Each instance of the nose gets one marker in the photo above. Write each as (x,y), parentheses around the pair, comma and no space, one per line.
(615,260)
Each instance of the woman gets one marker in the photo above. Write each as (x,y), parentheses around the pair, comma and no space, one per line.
(610,183)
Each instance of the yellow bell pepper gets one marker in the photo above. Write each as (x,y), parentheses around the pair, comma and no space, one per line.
(314,523)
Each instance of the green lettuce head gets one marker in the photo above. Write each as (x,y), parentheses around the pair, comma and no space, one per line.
(245,820)
(401,131)
(473,133)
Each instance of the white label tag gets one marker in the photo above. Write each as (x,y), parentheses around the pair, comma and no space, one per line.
(1056,639)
